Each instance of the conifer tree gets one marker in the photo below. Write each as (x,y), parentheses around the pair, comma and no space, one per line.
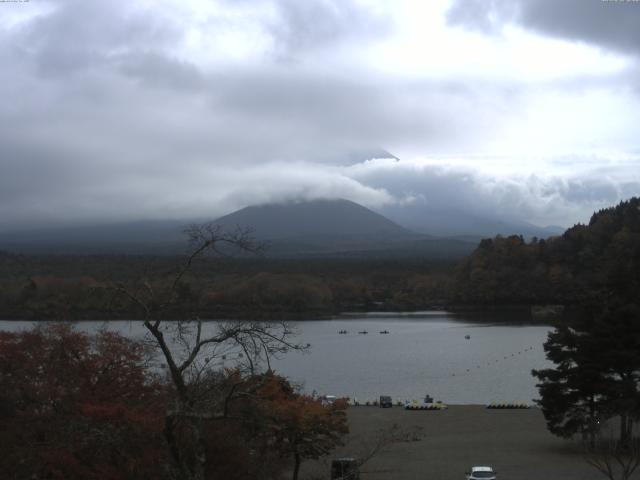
(597,370)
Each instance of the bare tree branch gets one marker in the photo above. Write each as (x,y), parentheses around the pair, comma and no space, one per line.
(613,458)
(195,400)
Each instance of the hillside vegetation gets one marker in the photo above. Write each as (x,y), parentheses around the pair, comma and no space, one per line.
(82,287)
(587,260)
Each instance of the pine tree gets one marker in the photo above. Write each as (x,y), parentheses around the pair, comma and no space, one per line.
(597,372)
(572,392)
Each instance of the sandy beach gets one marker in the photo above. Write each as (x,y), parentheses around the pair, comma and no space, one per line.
(515,443)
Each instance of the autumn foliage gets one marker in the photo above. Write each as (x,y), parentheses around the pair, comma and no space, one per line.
(74,406)
(296,426)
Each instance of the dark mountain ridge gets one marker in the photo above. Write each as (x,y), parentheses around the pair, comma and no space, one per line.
(298,229)
(337,228)
(318,218)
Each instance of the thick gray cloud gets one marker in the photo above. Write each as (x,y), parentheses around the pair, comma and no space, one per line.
(123,111)
(608,24)
(108,123)
(77,35)
(543,200)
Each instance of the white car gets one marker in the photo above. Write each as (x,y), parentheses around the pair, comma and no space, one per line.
(328,400)
(481,473)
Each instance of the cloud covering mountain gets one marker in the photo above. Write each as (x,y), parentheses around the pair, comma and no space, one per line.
(175,109)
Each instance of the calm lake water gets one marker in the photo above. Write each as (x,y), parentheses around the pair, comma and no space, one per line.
(424,352)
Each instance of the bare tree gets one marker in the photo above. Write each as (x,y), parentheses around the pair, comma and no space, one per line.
(191,350)
(615,459)
(373,446)
(365,449)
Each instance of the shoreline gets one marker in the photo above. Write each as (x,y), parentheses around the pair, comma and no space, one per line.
(535,314)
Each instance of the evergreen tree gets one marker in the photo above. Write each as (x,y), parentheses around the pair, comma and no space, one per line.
(572,392)
(597,372)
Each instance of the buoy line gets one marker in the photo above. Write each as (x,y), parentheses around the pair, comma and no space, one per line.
(489,364)
(508,406)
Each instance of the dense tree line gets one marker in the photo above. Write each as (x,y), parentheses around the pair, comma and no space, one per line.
(69,287)
(603,256)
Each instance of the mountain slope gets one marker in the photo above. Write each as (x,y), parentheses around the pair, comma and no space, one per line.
(338,228)
(295,229)
(323,218)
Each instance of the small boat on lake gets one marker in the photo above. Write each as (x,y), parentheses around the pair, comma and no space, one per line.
(384,332)
(363,332)
(467,337)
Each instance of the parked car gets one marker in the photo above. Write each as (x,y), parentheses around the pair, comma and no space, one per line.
(482,473)
(345,469)
(385,401)
(328,399)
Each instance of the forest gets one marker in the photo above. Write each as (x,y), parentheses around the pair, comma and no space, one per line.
(502,271)
(594,259)
(82,287)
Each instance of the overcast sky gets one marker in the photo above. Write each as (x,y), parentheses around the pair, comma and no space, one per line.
(176,109)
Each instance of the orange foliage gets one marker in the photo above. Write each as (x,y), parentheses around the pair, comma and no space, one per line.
(296,425)
(74,408)
(79,407)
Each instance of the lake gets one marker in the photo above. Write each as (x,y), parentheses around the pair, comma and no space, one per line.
(424,352)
